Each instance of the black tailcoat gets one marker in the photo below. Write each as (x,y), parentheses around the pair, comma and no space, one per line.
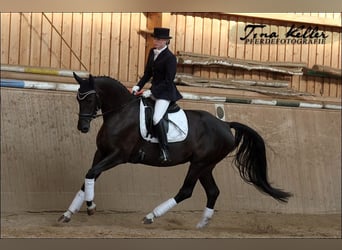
(162,71)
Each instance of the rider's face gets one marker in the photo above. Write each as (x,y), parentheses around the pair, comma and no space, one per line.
(159,43)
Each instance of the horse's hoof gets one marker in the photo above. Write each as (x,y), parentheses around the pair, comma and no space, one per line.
(203,223)
(91,211)
(147,220)
(64,219)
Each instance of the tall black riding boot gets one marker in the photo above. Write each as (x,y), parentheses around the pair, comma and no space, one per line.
(162,137)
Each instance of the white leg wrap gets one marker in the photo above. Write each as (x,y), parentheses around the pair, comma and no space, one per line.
(89,189)
(150,216)
(207,214)
(67,214)
(164,207)
(76,204)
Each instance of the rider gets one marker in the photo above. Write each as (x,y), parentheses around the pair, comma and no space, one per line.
(161,66)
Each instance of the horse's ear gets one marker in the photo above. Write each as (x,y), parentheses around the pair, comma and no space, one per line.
(78,79)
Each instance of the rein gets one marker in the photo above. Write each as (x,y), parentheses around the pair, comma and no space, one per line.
(116,109)
(82,96)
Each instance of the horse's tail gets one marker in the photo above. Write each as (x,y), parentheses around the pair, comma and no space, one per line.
(251,161)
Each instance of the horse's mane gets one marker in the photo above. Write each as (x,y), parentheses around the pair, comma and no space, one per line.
(111,81)
(109,78)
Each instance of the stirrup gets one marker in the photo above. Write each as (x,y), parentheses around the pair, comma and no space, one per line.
(164,156)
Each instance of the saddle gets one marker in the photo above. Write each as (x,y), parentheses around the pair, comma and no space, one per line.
(149,110)
(175,120)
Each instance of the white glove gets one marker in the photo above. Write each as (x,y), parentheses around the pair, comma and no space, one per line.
(147,93)
(135,89)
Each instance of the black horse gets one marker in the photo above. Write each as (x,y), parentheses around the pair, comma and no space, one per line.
(209,140)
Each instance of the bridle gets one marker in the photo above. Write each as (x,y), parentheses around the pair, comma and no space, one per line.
(82,96)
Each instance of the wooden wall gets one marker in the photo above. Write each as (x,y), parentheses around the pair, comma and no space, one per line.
(218,34)
(113,44)
(101,43)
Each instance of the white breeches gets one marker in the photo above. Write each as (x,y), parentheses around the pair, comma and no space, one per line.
(159,110)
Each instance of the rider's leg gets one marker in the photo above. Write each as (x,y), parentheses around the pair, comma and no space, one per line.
(159,111)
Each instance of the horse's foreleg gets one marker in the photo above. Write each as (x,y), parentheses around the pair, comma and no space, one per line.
(89,194)
(79,198)
(74,207)
(184,193)
(89,184)
(212,192)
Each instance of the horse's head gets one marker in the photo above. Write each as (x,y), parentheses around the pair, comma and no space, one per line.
(88,102)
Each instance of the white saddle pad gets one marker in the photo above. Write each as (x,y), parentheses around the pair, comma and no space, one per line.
(178,127)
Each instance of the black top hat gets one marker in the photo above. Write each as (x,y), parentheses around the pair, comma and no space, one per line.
(161,33)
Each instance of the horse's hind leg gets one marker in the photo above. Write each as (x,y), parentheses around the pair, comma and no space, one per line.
(212,192)
(184,193)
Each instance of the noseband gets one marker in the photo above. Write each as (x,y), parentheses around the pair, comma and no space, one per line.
(82,96)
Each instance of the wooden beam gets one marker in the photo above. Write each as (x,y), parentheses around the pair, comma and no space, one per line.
(187,58)
(274,88)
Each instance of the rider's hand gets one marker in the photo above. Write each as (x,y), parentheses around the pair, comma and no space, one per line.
(135,89)
(147,93)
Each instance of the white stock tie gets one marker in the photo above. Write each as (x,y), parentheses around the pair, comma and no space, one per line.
(156,53)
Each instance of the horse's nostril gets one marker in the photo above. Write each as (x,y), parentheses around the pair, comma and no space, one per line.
(83,126)
(84,130)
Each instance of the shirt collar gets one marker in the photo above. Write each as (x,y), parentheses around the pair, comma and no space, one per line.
(158,51)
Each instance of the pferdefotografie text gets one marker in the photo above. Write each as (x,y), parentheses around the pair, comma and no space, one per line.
(294,35)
